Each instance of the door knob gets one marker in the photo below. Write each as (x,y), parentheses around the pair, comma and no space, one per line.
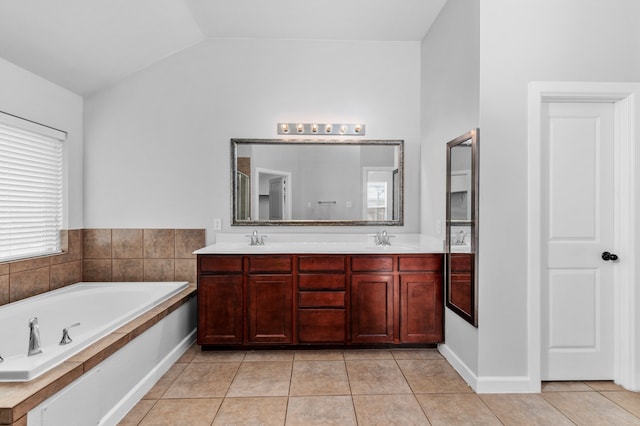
(609,256)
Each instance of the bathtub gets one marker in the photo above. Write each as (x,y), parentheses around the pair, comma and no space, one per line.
(100,308)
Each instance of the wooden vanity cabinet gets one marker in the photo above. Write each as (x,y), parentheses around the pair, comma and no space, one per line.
(321,312)
(317,299)
(270,299)
(220,300)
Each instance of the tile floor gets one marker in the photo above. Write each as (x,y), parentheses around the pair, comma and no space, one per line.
(360,387)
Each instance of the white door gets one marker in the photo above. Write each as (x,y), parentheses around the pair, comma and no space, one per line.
(577,227)
(277,193)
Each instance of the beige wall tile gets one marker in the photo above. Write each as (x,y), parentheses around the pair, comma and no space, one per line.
(96,270)
(187,241)
(97,243)
(186,270)
(126,243)
(127,270)
(159,243)
(28,283)
(159,270)
(4,268)
(4,289)
(25,265)
(73,248)
(65,274)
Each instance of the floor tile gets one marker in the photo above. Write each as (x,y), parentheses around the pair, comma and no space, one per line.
(367,354)
(320,410)
(319,378)
(590,408)
(604,385)
(524,409)
(262,378)
(565,387)
(627,400)
(161,386)
(192,412)
(219,356)
(188,355)
(416,354)
(389,410)
(319,355)
(203,380)
(137,413)
(252,411)
(432,376)
(269,356)
(456,409)
(376,377)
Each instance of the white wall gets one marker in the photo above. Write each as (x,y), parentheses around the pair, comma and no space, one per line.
(28,96)
(520,42)
(450,90)
(158,142)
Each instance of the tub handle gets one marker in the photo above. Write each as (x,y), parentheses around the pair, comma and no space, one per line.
(66,339)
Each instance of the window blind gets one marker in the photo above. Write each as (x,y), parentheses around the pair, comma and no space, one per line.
(30,188)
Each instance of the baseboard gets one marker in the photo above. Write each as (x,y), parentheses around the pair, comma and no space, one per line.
(488,384)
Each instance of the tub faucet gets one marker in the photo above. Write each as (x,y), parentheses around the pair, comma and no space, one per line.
(66,339)
(34,337)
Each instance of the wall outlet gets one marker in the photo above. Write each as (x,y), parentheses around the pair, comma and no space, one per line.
(438,227)
(217,224)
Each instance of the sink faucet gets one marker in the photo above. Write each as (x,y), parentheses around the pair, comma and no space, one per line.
(382,238)
(34,337)
(256,240)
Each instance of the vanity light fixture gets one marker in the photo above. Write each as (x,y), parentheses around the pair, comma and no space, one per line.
(338,129)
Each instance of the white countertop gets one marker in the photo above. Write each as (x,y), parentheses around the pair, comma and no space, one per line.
(232,243)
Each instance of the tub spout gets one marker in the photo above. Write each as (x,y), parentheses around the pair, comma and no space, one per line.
(66,339)
(34,337)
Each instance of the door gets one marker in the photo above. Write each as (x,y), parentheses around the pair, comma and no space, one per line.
(270,309)
(277,194)
(577,289)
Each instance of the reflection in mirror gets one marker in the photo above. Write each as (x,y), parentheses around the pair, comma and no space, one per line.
(317,182)
(462,225)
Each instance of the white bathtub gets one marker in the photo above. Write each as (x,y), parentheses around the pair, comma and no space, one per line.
(100,308)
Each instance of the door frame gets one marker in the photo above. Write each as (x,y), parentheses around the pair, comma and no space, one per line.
(255,191)
(626,124)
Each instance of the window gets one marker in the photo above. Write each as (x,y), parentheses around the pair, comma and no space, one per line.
(30,188)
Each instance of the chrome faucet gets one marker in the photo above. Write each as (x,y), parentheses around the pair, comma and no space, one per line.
(382,238)
(256,240)
(34,337)
(66,339)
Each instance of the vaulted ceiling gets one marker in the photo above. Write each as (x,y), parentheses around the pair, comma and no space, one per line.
(85,45)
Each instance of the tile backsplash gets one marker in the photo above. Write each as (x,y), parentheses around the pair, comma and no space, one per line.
(105,255)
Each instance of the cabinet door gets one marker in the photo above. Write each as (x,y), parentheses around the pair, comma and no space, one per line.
(220,309)
(371,308)
(421,308)
(270,308)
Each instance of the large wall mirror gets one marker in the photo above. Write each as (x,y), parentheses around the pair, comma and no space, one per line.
(317,182)
(462,226)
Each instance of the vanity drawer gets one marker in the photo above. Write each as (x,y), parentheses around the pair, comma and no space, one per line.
(461,262)
(372,264)
(321,263)
(220,264)
(322,326)
(317,299)
(270,264)
(321,282)
(420,263)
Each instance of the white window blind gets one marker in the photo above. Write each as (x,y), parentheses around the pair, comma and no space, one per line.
(30,188)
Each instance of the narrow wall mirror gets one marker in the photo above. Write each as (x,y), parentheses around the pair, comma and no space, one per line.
(462,226)
(317,182)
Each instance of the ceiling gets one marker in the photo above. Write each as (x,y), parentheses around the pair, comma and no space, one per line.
(85,45)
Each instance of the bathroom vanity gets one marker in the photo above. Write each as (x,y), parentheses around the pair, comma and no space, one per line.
(320,293)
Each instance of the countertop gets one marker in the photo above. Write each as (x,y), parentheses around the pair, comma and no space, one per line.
(281,243)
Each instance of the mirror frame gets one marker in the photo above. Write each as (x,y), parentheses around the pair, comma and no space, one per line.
(472,315)
(303,222)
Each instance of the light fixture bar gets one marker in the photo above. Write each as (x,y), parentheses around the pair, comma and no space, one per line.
(337,129)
